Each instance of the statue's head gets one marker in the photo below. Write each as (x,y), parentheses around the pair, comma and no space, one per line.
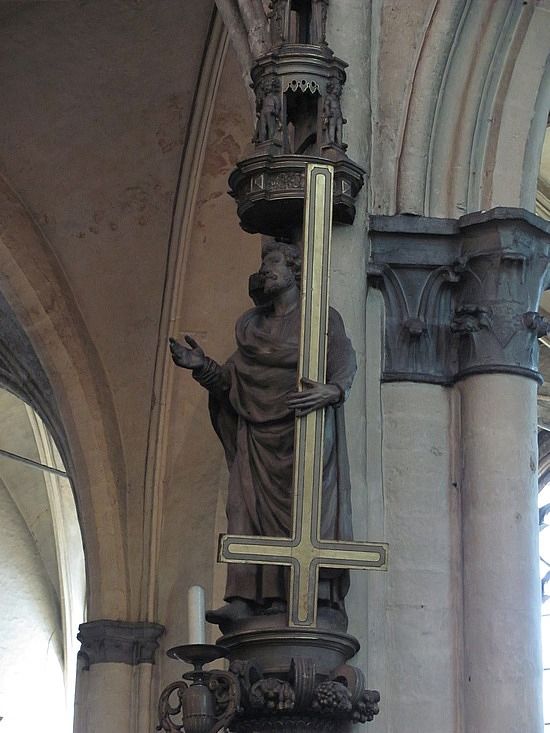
(334,87)
(281,266)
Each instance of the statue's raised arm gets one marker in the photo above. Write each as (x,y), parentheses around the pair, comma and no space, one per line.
(253,401)
(193,358)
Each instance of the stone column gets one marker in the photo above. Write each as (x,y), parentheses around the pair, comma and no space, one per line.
(417,658)
(460,309)
(505,259)
(502,660)
(114,671)
(421,691)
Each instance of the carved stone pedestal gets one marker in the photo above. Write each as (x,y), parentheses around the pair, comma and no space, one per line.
(297,680)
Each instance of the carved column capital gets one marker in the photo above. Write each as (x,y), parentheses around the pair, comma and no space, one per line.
(505,254)
(461,295)
(119,641)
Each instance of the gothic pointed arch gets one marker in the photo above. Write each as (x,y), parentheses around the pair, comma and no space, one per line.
(246,21)
(51,362)
(476,110)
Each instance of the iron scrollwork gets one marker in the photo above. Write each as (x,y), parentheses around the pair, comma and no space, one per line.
(206,705)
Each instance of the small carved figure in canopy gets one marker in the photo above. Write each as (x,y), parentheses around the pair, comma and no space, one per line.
(268,112)
(333,119)
(298,21)
(318,22)
(278,23)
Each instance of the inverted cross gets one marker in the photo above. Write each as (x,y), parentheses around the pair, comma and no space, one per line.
(304,552)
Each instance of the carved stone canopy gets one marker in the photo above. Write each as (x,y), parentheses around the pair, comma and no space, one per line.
(269,191)
(298,87)
(461,295)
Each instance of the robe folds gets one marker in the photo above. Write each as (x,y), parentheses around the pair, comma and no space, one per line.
(249,413)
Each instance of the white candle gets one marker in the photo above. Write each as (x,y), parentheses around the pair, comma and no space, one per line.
(195,614)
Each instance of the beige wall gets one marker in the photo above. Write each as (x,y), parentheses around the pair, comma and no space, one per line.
(214,292)
(103,254)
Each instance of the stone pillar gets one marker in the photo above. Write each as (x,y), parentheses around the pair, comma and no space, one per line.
(114,670)
(505,263)
(460,309)
(502,660)
(422,600)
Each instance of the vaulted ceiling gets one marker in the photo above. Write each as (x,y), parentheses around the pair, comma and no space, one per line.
(96,103)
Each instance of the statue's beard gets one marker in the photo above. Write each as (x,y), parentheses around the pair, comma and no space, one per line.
(272,287)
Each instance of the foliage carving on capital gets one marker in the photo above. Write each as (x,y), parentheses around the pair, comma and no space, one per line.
(502,282)
(121,642)
(461,296)
(470,318)
(418,302)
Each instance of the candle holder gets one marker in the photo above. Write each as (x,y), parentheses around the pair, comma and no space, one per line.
(208,703)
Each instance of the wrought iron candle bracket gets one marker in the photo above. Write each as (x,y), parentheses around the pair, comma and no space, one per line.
(206,705)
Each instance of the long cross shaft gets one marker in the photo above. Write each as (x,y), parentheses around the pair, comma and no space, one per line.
(304,552)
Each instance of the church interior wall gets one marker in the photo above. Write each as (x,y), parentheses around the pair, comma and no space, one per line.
(446,106)
(214,292)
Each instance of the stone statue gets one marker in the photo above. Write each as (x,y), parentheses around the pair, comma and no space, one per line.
(318,22)
(333,119)
(277,17)
(268,112)
(253,403)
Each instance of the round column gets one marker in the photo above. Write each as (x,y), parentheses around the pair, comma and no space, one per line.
(114,676)
(108,700)
(502,653)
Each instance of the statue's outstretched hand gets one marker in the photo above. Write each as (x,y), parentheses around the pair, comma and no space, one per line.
(314,396)
(192,358)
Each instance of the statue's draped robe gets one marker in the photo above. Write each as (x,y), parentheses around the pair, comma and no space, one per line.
(249,413)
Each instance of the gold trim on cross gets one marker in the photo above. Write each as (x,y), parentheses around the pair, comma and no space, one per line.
(304,552)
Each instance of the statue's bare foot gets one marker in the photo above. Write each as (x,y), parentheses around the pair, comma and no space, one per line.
(235,610)
(274,608)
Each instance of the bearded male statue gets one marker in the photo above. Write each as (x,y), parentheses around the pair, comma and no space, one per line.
(253,403)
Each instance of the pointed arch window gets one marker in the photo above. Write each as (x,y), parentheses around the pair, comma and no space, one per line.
(42,573)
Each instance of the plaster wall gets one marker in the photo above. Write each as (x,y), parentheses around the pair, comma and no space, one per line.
(214,292)
(97,99)
(31,658)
